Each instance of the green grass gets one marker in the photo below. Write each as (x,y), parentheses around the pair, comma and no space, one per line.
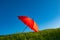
(49,34)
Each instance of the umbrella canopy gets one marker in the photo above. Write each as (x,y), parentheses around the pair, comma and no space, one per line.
(29,22)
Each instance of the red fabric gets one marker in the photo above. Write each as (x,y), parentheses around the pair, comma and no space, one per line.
(29,22)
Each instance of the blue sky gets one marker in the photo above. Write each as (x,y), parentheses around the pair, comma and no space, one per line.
(46,13)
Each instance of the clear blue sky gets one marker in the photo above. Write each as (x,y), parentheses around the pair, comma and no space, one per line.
(46,13)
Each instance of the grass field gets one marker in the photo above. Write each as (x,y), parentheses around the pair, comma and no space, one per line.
(48,34)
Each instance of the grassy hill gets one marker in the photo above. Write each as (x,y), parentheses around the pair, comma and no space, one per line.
(49,34)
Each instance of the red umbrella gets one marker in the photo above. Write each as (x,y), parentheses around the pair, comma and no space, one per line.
(29,22)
